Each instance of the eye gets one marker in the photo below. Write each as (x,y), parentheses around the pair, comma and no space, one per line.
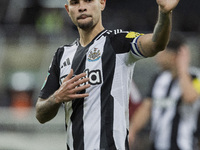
(74,2)
(88,0)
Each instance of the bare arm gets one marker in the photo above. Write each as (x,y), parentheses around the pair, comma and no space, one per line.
(139,119)
(46,109)
(151,44)
(189,93)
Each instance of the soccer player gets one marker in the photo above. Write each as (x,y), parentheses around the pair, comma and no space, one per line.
(91,76)
(173,102)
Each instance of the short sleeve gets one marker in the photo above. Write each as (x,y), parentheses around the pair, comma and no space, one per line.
(51,83)
(126,42)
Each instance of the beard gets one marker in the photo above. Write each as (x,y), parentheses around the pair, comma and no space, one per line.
(86,26)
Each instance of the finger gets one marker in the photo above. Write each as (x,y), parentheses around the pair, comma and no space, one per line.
(80,88)
(78,77)
(69,76)
(79,82)
(76,96)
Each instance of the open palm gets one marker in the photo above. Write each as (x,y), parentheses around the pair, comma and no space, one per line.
(167,5)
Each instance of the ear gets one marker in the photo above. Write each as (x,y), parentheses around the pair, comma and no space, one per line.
(103,4)
(67,8)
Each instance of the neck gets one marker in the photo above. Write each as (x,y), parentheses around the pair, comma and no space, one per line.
(174,73)
(86,36)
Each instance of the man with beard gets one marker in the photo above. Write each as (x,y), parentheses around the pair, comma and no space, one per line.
(91,77)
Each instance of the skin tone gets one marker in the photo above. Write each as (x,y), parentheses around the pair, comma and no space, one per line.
(87,16)
(178,65)
(47,109)
(190,95)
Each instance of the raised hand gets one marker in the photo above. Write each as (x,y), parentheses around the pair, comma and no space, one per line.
(167,5)
(183,59)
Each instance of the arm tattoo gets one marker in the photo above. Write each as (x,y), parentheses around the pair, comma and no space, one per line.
(162,23)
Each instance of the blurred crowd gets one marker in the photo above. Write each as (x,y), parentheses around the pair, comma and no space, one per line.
(43,22)
(49,16)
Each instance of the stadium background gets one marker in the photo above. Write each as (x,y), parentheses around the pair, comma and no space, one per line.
(30,32)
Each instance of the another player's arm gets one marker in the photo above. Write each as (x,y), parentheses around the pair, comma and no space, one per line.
(46,109)
(151,44)
(139,119)
(189,86)
(190,94)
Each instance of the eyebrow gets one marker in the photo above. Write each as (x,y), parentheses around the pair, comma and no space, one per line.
(72,0)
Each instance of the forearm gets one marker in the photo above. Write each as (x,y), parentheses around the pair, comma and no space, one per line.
(189,95)
(46,109)
(151,44)
(140,118)
(162,30)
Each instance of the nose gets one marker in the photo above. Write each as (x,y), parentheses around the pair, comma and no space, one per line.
(82,6)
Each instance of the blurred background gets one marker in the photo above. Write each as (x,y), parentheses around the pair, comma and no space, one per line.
(30,33)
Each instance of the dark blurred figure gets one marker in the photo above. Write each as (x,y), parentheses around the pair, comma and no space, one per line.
(3,8)
(20,11)
(173,104)
(31,13)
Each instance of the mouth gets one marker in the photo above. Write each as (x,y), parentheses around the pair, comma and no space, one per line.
(83,16)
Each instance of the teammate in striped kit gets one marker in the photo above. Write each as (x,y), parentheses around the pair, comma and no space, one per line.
(173,102)
(91,77)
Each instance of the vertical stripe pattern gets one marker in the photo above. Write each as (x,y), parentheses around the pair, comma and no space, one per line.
(173,121)
(78,66)
(107,102)
(99,121)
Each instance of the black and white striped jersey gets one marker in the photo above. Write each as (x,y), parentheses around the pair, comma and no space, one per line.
(100,121)
(173,123)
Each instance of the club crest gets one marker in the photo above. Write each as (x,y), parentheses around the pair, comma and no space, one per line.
(94,55)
